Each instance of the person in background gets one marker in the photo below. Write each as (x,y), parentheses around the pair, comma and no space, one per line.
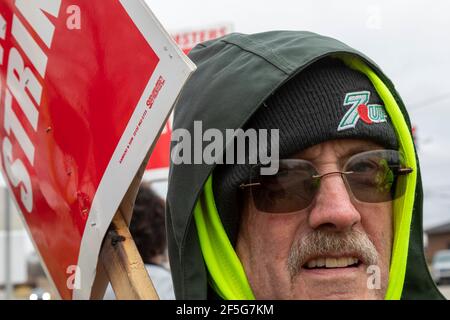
(149,233)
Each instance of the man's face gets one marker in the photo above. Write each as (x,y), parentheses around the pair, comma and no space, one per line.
(281,252)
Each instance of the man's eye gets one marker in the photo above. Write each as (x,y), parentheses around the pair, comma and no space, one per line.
(364,166)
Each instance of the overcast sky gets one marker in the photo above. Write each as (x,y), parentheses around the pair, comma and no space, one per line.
(410,40)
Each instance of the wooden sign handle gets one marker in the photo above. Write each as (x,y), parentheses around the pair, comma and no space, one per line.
(123,264)
(119,259)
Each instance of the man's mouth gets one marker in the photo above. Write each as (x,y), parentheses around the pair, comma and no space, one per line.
(332,263)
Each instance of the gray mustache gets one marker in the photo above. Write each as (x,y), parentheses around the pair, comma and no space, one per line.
(321,243)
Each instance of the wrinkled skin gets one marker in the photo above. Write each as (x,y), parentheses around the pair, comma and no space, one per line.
(265,240)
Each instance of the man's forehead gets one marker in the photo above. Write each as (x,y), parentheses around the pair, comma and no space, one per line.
(339,148)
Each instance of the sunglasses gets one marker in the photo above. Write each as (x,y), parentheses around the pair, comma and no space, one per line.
(370,177)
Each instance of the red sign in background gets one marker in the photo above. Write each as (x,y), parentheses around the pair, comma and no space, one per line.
(186,41)
(93,80)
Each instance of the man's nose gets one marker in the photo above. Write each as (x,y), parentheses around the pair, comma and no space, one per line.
(333,209)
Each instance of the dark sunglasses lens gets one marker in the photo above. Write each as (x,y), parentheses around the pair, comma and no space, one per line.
(291,189)
(375,175)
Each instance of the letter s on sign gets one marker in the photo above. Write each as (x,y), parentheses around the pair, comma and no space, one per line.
(18,175)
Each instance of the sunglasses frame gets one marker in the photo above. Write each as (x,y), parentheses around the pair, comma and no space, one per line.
(401,171)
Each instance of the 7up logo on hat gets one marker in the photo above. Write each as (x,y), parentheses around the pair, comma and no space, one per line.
(359,109)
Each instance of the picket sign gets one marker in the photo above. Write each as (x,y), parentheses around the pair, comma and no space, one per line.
(85,89)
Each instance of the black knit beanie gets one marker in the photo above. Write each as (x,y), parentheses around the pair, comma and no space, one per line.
(311,108)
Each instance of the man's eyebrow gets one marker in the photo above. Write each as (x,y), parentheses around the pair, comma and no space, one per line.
(309,156)
(358,149)
(346,154)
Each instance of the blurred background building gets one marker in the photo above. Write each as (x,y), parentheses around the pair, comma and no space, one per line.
(438,239)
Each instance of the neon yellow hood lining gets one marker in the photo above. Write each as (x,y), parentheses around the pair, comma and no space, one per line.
(226,273)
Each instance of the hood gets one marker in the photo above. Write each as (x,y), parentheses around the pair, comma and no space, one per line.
(235,75)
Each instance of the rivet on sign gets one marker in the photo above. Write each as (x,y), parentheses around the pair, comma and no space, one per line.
(69,173)
(170,56)
(48,129)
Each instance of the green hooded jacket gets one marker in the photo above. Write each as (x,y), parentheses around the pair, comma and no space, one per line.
(235,75)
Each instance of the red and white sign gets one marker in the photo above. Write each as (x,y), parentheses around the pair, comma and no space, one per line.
(158,165)
(188,39)
(80,106)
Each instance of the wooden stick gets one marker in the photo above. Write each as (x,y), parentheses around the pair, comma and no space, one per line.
(123,264)
(119,260)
